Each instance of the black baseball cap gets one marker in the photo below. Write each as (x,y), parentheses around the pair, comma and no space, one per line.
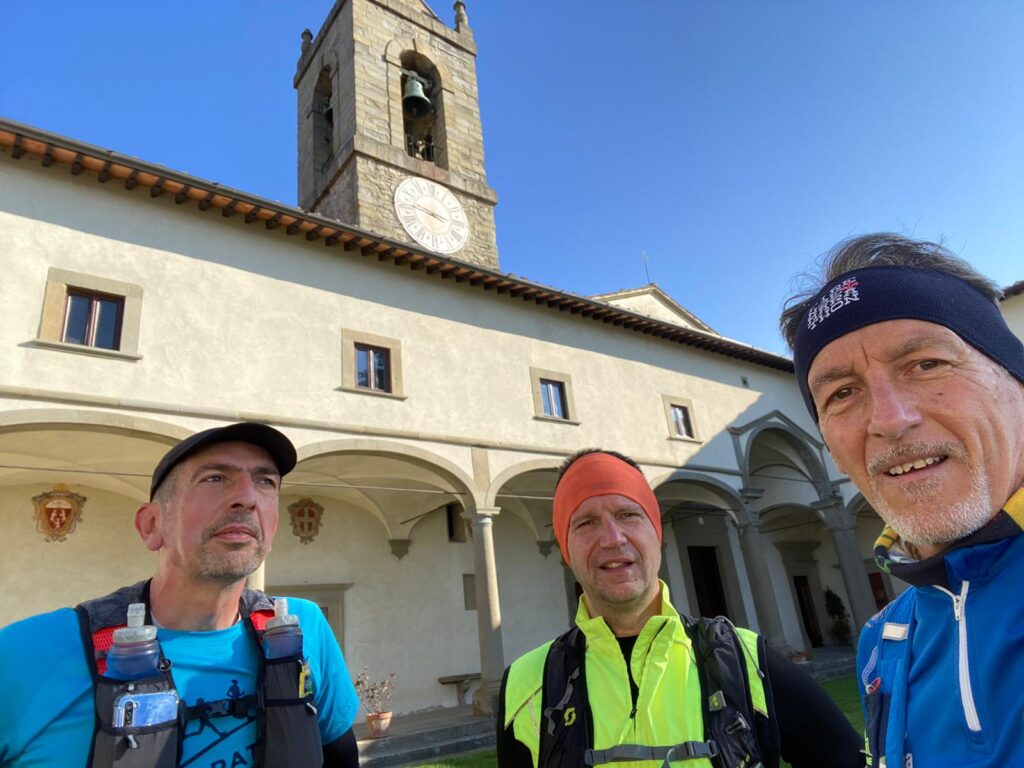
(266,437)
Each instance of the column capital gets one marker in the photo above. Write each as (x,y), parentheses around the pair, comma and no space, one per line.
(749,525)
(487,512)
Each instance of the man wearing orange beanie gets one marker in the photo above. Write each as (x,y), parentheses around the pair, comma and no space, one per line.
(635,683)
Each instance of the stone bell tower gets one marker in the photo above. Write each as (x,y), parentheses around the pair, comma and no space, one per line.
(389,127)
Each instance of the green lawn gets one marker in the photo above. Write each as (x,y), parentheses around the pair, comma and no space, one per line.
(843,690)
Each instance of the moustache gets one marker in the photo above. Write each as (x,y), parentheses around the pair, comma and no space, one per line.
(244,521)
(900,454)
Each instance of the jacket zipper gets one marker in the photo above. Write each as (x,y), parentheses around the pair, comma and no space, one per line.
(963,660)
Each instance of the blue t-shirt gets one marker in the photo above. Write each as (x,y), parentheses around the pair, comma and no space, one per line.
(46,696)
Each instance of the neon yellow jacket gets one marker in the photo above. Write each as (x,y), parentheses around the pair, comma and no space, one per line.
(668,707)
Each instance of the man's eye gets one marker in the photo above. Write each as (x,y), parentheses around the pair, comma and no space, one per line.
(269,482)
(582,523)
(928,365)
(213,478)
(841,394)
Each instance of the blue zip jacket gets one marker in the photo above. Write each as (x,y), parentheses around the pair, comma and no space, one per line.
(942,667)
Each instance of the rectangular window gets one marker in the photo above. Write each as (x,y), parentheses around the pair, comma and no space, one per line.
(469,591)
(93,320)
(680,415)
(373,368)
(681,422)
(552,397)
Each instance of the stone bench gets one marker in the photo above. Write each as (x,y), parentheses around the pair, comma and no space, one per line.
(461,683)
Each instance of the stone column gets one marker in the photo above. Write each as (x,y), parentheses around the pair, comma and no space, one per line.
(488,612)
(672,566)
(760,583)
(258,578)
(855,576)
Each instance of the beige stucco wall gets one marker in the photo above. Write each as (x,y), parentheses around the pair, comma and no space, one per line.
(1013,311)
(238,322)
(649,305)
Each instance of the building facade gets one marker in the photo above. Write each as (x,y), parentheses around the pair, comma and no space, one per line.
(430,396)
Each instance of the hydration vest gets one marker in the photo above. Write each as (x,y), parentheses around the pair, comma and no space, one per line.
(884,662)
(283,702)
(566,740)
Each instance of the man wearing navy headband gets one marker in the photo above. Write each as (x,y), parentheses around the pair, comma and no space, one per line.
(917,386)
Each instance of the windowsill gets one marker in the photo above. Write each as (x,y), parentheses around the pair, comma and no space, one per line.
(372,392)
(82,349)
(684,439)
(556,420)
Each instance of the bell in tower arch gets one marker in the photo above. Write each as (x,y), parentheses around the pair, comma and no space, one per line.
(415,103)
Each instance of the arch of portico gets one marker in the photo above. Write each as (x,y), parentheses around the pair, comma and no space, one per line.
(103,457)
(536,588)
(783,467)
(702,560)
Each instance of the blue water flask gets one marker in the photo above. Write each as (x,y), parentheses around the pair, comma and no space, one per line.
(135,653)
(282,636)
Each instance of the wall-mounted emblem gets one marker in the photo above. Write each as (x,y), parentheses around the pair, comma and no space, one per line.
(306,516)
(58,512)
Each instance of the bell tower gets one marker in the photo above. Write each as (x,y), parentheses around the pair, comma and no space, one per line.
(389,127)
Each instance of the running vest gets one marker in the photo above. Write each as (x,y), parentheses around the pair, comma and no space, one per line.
(289,729)
(728,708)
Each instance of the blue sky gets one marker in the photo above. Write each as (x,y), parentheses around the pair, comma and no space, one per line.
(732,142)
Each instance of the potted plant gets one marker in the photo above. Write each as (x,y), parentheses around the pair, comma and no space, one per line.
(376,697)
(837,612)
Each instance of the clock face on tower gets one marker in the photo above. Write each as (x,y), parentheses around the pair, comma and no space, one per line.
(432,215)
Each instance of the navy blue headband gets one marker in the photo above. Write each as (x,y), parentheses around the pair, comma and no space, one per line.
(875,294)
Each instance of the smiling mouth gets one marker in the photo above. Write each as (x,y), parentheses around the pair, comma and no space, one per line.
(614,565)
(915,465)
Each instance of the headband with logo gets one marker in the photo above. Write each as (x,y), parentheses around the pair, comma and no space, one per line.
(872,295)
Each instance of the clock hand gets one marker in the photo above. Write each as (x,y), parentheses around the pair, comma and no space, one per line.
(429,212)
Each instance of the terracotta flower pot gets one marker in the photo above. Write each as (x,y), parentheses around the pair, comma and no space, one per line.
(378,723)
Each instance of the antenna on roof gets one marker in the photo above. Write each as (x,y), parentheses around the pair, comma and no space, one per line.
(644,258)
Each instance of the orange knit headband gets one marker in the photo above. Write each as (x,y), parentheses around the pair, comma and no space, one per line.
(600,474)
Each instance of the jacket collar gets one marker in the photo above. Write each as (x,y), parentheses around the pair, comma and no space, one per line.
(893,557)
(595,627)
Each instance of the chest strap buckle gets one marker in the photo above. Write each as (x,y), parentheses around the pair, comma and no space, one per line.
(688,750)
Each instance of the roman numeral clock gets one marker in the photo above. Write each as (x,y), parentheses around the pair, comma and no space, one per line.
(432,215)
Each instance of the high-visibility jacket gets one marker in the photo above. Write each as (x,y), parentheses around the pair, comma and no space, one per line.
(669,708)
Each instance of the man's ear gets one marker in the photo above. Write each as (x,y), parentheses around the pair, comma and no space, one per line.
(148,522)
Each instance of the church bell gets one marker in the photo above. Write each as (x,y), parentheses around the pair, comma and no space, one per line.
(415,103)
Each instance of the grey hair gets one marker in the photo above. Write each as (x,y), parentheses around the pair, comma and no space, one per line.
(880,249)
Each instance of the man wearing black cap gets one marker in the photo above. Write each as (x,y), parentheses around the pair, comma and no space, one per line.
(211,519)
(917,385)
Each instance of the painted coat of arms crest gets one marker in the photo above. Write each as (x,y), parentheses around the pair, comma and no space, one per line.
(58,512)
(306,516)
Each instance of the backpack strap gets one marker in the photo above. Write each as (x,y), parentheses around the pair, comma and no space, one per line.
(883,662)
(566,728)
(726,702)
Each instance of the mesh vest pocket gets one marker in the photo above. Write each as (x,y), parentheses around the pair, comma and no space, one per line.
(152,746)
(292,734)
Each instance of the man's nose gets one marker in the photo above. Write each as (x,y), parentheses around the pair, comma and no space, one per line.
(246,494)
(611,533)
(894,410)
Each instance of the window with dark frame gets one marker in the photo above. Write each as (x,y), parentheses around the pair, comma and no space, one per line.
(92,319)
(681,421)
(553,400)
(373,368)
